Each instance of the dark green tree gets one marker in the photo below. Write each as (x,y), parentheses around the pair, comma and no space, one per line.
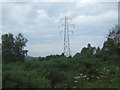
(8,53)
(13,48)
(112,45)
(114,34)
(88,51)
(20,43)
(98,50)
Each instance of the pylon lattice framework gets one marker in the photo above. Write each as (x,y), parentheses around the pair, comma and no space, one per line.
(66,35)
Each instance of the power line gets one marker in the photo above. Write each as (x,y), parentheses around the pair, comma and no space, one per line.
(66,35)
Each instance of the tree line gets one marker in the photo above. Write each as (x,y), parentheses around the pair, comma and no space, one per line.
(13,47)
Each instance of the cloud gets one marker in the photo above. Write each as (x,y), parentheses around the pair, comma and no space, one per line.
(39,24)
(59,0)
(15,13)
(83,19)
(81,4)
(45,49)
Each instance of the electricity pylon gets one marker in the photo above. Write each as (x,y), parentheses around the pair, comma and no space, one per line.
(66,30)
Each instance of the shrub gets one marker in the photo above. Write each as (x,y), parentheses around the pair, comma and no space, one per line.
(56,76)
(19,78)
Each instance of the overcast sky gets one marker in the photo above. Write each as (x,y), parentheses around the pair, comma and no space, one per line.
(39,22)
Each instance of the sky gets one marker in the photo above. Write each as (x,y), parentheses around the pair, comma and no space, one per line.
(39,21)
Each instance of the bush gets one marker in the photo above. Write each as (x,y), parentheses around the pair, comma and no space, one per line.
(40,82)
(30,65)
(62,64)
(19,78)
(56,76)
(59,73)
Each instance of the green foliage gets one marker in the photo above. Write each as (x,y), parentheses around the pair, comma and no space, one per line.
(40,82)
(19,78)
(20,42)
(12,48)
(8,47)
(51,57)
(59,73)
(112,45)
(89,51)
(98,50)
(56,76)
